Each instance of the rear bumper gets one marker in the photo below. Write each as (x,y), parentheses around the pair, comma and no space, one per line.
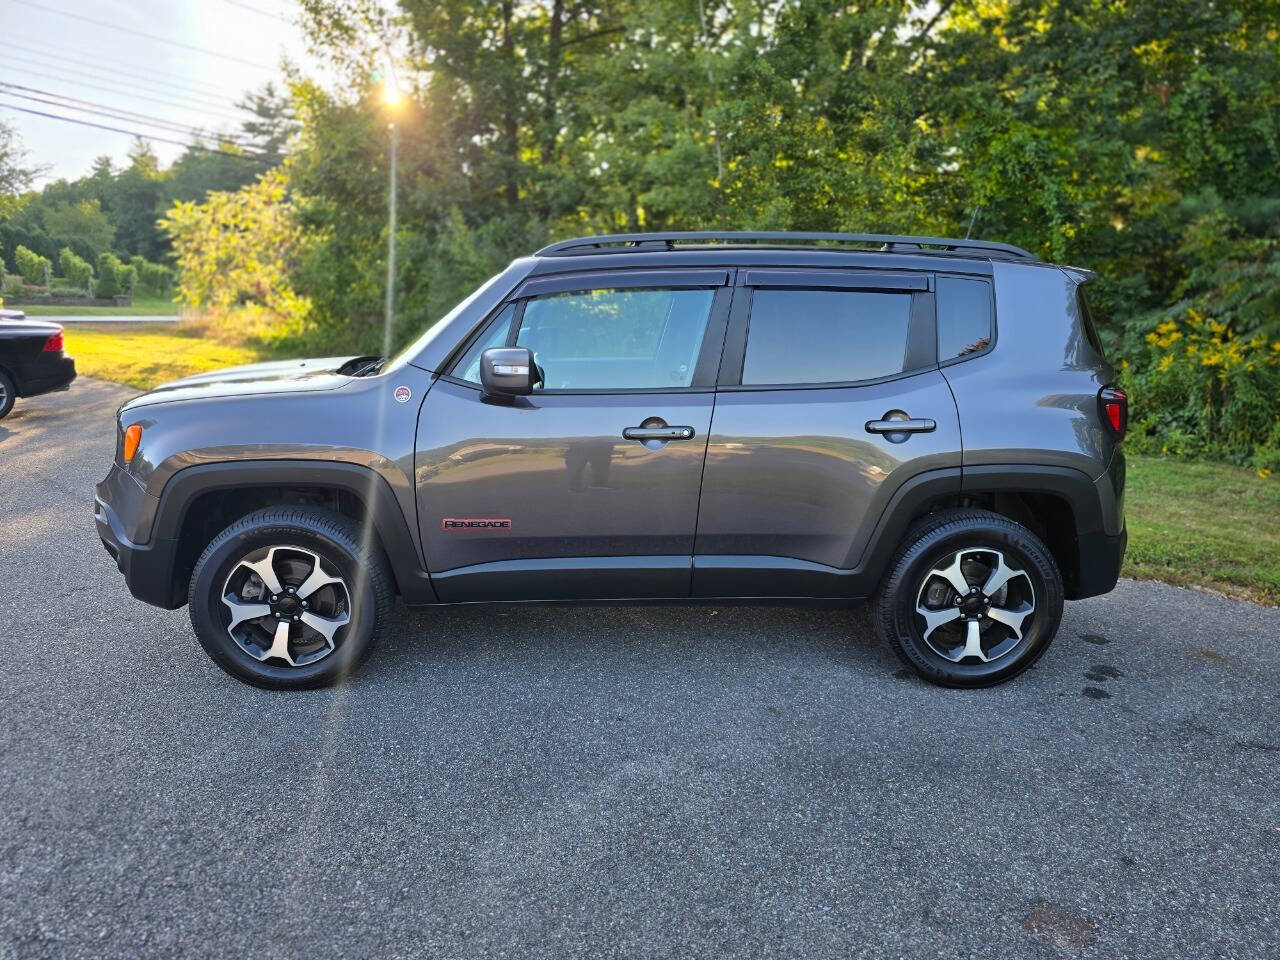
(48,375)
(1101,557)
(147,568)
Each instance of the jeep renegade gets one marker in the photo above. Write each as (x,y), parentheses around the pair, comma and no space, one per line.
(686,416)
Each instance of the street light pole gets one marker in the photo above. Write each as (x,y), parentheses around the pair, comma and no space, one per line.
(391,246)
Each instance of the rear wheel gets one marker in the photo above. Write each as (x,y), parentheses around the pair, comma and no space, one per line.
(8,394)
(290,597)
(971,599)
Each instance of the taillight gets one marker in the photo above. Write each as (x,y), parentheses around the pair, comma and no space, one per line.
(132,437)
(1114,406)
(54,343)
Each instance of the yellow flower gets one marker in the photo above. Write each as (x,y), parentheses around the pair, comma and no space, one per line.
(1165,362)
(1264,472)
(1211,359)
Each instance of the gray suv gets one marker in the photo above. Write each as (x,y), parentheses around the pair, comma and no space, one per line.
(929,423)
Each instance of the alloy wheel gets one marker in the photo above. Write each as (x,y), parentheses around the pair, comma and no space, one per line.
(286,603)
(974,605)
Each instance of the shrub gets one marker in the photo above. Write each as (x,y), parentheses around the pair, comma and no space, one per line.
(111,276)
(64,291)
(13,285)
(77,270)
(34,268)
(154,279)
(1199,390)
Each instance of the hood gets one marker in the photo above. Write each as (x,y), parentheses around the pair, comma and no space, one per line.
(281,376)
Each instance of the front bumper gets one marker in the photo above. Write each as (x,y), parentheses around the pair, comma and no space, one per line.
(147,568)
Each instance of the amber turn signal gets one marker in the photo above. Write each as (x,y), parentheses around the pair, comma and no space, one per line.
(132,437)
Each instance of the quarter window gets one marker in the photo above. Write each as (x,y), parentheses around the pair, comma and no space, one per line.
(964,317)
(825,336)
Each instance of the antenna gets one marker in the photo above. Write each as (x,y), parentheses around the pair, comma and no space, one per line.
(972,221)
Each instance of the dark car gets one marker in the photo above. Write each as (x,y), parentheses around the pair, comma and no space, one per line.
(719,417)
(32,360)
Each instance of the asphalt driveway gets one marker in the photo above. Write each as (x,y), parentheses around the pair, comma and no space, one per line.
(614,780)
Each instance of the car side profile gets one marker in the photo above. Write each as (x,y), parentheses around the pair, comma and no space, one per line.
(926,423)
(32,359)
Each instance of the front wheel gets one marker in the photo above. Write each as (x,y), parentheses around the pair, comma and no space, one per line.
(8,394)
(971,599)
(290,598)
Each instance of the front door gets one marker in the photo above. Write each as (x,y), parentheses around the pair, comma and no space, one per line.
(588,488)
(830,400)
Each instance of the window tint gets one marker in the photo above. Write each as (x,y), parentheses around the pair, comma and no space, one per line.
(1086,318)
(825,336)
(612,339)
(468,365)
(964,316)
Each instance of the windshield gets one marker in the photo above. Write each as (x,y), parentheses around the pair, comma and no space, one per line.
(415,347)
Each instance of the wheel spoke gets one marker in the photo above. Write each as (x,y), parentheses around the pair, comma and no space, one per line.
(1000,574)
(325,626)
(1013,619)
(265,569)
(241,611)
(936,618)
(973,642)
(953,575)
(315,580)
(280,644)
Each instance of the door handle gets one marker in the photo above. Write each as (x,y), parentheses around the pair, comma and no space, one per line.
(658,433)
(908,425)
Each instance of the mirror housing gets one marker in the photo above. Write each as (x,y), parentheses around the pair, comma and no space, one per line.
(507,371)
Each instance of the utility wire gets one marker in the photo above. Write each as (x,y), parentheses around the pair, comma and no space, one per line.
(103,110)
(89,66)
(221,113)
(258,10)
(106,24)
(246,155)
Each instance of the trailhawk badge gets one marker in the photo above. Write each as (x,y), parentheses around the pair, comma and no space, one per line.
(403,394)
(473,523)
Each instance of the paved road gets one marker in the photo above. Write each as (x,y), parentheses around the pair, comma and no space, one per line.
(615,781)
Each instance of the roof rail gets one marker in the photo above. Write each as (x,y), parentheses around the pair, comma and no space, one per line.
(647,242)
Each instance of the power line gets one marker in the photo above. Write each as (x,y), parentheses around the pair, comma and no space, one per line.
(222,113)
(246,155)
(104,110)
(113,73)
(106,24)
(258,10)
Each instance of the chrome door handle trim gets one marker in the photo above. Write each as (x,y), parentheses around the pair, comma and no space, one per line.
(658,433)
(914,425)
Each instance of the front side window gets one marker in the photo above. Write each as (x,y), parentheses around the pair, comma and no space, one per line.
(825,336)
(616,339)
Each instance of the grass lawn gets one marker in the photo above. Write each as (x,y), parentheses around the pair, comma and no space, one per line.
(147,355)
(142,307)
(1204,524)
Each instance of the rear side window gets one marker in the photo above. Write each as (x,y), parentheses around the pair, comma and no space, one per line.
(964,317)
(825,336)
(1086,321)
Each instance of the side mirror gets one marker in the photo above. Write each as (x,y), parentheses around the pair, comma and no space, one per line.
(507,371)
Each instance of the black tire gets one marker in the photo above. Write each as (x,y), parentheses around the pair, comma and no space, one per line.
(365,596)
(8,394)
(970,538)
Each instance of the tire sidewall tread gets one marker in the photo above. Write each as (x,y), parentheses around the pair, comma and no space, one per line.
(338,539)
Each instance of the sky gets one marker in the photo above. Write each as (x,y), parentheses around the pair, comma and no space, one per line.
(183,63)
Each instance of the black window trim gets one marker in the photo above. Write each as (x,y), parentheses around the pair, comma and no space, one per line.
(719,281)
(995,325)
(922,339)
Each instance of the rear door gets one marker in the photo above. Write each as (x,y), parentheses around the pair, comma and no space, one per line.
(589,487)
(830,399)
